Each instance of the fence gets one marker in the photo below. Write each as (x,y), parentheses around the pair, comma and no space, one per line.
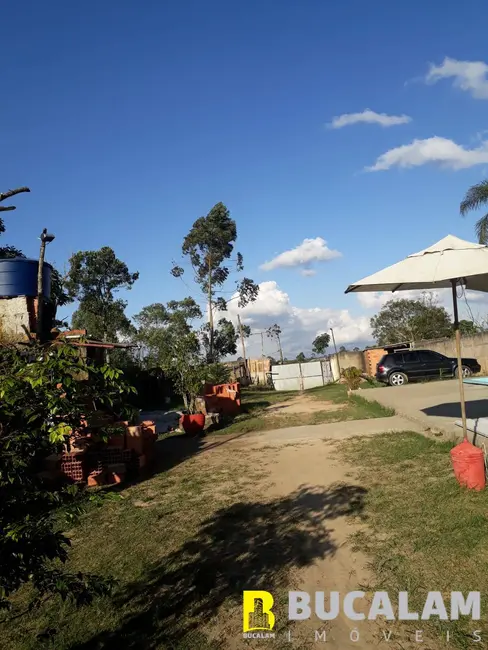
(299,376)
(259,370)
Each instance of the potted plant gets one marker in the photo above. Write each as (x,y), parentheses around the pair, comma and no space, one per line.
(185,367)
(190,386)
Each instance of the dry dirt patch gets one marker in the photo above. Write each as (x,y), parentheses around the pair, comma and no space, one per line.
(302,404)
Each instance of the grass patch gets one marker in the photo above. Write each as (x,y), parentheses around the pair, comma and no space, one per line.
(255,418)
(425,533)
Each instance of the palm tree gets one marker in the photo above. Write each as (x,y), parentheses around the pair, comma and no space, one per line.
(476,196)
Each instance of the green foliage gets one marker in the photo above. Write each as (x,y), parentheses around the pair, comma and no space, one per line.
(321,343)
(352,377)
(217,373)
(301,357)
(171,343)
(42,398)
(93,279)
(274,331)
(476,197)
(410,320)
(468,328)
(208,245)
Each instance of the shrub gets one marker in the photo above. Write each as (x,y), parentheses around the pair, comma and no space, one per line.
(41,402)
(352,377)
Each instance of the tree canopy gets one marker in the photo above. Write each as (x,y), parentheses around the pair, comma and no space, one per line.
(93,279)
(410,320)
(300,357)
(321,343)
(209,246)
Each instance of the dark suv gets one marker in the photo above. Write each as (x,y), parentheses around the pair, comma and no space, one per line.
(398,368)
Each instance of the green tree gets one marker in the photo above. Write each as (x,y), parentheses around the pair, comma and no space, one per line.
(274,332)
(468,328)
(410,320)
(209,246)
(93,279)
(41,402)
(300,357)
(171,343)
(342,348)
(224,341)
(321,343)
(475,198)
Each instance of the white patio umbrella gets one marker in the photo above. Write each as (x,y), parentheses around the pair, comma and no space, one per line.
(450,262)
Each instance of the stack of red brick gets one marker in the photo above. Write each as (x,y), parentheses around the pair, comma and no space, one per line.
(91,461)
(222,398)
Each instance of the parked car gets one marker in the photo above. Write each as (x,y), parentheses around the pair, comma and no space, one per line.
(399,368)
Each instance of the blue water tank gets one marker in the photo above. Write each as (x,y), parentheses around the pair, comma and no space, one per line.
(18,277)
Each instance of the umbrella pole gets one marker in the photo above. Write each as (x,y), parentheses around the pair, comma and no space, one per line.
(458,354)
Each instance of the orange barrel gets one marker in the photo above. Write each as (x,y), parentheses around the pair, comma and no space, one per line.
(468,463)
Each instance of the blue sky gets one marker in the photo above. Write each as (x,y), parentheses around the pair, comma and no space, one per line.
(130,120)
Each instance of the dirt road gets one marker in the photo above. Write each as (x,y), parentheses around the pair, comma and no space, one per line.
(313,504)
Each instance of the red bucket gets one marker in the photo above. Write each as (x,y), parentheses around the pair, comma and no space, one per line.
(468,463)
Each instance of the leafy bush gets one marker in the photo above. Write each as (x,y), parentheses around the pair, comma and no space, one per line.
(352,376)
(41,401)
(217,373)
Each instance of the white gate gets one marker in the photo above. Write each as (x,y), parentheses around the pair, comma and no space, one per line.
(300,376)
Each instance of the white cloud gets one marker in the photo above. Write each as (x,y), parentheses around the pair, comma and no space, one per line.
(308,272)
(470,76)
(375,300)
(369,117)
(441,151)
(310,250)
(299,325)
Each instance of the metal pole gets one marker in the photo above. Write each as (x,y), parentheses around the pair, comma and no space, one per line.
(40,291)
(457,334)
(336,353)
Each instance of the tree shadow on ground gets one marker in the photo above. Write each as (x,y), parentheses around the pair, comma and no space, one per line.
(247,546)
(474,409)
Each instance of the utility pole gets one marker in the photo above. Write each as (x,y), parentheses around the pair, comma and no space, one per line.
(336,353)
(262,357)
(242,343)
(45,238)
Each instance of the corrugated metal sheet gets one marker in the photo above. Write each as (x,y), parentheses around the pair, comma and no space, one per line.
(300,376)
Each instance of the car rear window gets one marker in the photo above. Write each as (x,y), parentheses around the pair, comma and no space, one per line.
(391,359)
(410,357)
